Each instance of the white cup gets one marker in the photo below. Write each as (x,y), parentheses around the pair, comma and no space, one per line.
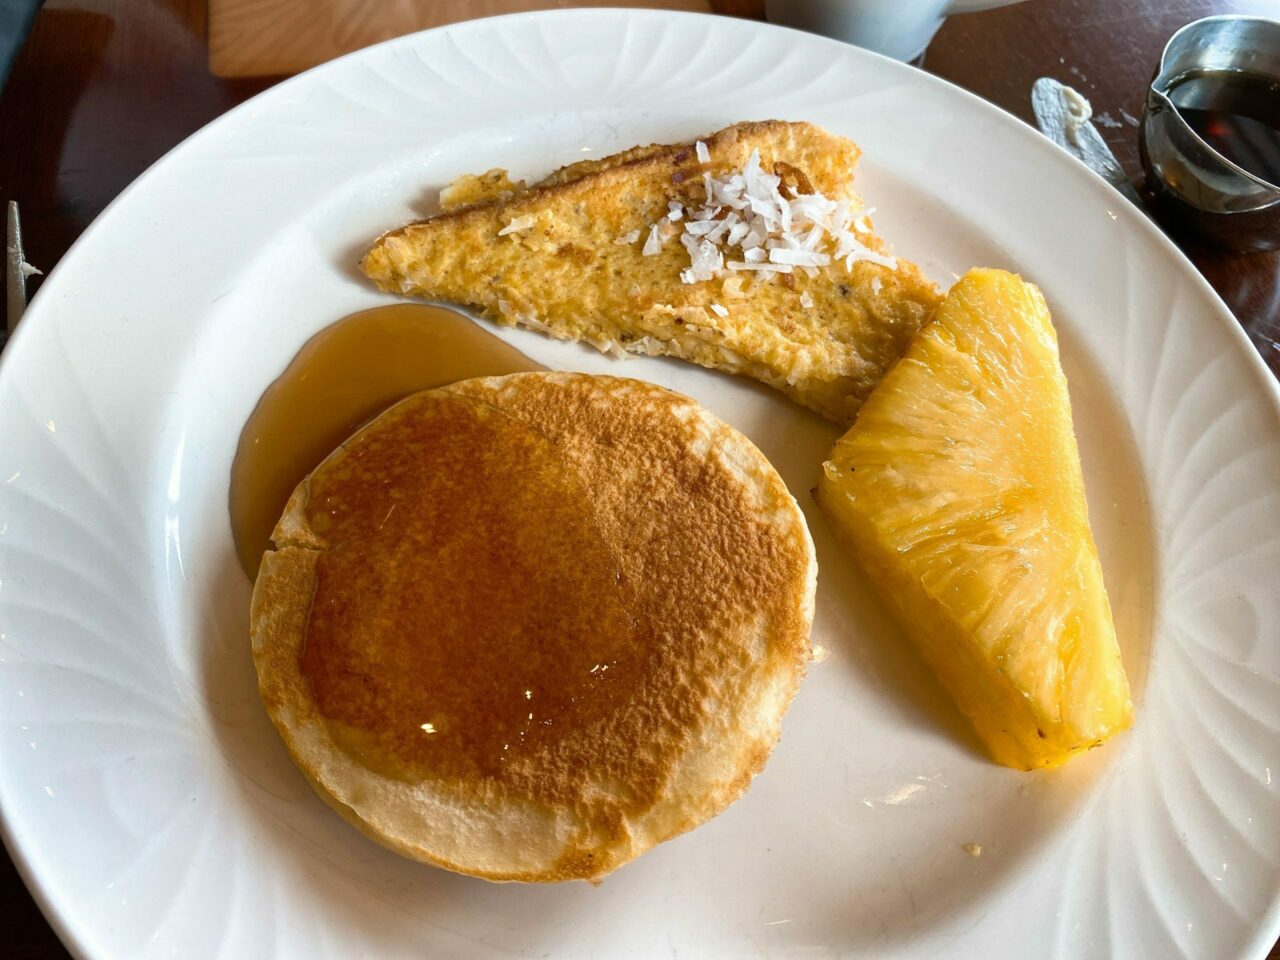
(897,28)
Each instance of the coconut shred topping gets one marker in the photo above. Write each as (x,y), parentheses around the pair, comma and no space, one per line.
(747,223)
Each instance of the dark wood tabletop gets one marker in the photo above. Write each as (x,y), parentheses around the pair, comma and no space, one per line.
(105,87)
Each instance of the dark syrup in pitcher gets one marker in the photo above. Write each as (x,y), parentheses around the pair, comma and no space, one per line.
(1237,114)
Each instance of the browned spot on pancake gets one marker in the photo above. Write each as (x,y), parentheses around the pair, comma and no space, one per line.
(468,611)
(689,551)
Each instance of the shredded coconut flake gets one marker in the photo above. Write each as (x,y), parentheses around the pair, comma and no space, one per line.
(760,267)
(798,258)
(705,260)
(656,235)
(718,310)
(518,224)
(744,212)
(628,238)
(806,301)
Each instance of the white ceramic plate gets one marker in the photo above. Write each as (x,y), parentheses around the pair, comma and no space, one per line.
(152,807)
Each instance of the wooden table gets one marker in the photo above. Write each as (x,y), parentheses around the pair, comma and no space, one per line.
(105,87)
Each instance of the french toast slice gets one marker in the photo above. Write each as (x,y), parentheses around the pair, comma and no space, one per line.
(595,253)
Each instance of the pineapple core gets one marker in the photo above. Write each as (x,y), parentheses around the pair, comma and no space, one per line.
(959,491)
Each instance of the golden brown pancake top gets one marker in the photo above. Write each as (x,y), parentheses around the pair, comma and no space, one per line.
(492,605)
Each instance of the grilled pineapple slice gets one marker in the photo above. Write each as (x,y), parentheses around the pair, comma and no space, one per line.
(959,490)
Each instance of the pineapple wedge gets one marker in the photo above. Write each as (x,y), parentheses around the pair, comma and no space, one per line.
(959,491)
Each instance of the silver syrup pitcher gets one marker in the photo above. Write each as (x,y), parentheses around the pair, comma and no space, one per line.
(1194,188)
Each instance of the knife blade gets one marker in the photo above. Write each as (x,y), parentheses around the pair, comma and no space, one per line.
(1063,115)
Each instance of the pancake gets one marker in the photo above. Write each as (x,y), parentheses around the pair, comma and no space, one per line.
(528,627)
